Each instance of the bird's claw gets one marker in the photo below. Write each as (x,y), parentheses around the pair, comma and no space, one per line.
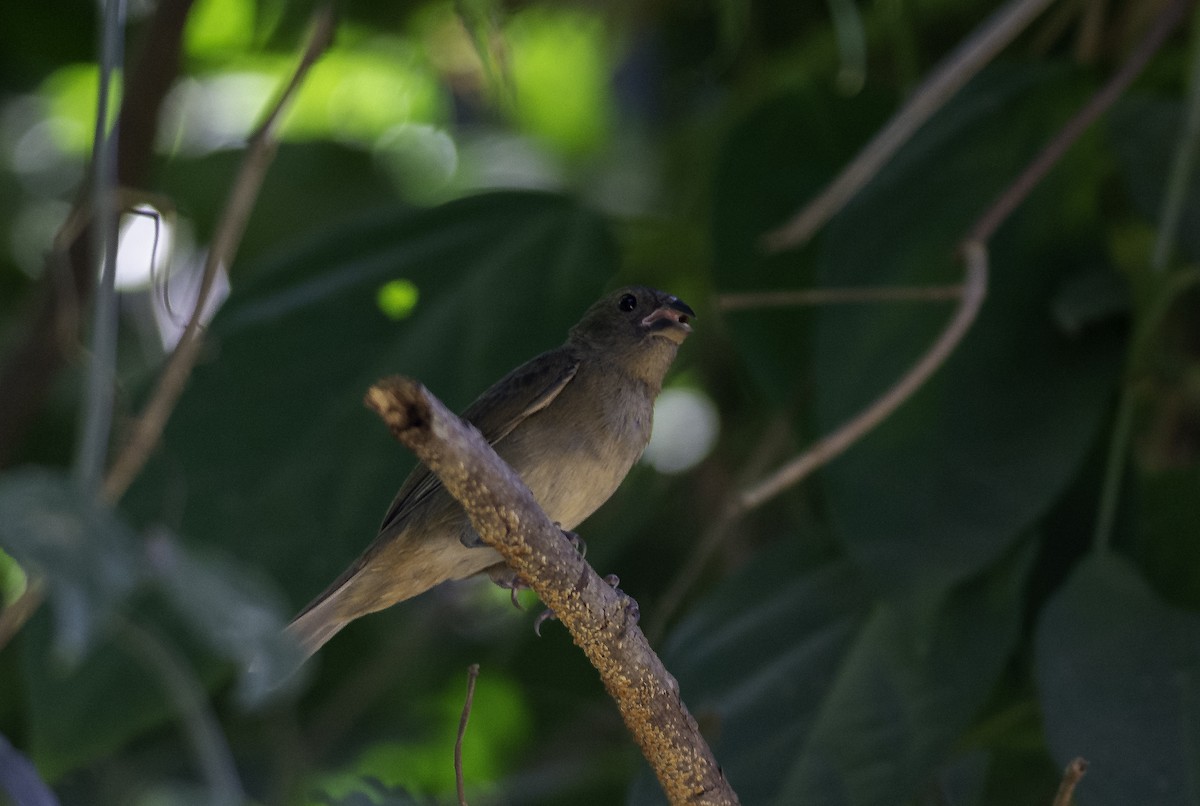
(633,611)
(542,618)
(509,581)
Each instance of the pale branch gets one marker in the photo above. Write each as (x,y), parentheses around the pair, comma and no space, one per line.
(946,80)
(1070,779)
(148,427)
(974,291)
(601,620)
(459,783)
(1069,134)
(791,298)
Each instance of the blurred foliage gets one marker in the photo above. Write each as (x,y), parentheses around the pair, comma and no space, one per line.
(937,617)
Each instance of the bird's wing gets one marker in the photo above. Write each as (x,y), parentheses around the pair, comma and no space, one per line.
(526,390)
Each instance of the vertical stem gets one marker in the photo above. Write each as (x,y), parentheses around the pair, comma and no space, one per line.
(1178,180)
(1114,470)
(97,413)
(1114,467)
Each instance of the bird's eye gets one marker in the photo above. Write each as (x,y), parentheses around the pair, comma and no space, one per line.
(627,303)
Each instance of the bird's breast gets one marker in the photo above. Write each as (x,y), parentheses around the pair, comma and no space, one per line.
(574,454)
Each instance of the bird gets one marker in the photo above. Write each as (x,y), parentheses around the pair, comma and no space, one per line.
(571,422)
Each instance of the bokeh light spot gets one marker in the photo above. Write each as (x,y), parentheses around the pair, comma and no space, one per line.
(686,425)
(397,299)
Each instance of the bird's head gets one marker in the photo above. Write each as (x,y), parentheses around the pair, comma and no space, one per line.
(639,326)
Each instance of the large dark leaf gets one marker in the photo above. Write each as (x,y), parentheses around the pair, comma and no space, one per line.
(1118,673)
(780,155)
(817,693)
(276,455)
(961,470)
(949,482)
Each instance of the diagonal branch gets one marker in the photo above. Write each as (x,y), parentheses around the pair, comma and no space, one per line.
(949,77)
(601,620)
(148,428)
(974,290)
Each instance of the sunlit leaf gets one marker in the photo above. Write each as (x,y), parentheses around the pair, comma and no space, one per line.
(219,27)
(560,76)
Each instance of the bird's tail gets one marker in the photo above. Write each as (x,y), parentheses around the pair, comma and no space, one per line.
(316,624)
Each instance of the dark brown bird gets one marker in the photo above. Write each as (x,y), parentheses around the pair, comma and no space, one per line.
(571,422)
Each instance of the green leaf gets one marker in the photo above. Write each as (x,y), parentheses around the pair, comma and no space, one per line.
(232,613)
(817,693)
(88,711)
(1118,671)
(771,162)
(951,480)
(86,555)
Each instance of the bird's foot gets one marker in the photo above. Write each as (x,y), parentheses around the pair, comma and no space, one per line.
(504,577)
(633,611)
(575,540)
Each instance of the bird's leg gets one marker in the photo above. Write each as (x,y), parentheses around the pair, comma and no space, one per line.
(505,577)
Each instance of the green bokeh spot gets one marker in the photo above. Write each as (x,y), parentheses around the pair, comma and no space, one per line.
(360,93)
(69,96)
(12,579)
(397,299)
(560,72)
(499,728)
(219,27)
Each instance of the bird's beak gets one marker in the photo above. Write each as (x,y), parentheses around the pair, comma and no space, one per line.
(670,319)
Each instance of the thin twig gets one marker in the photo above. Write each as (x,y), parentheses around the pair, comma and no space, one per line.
(791,298)
(1070,779)
(947,79)
(1099,103)
(974,291)
(472,676)
(260,152)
